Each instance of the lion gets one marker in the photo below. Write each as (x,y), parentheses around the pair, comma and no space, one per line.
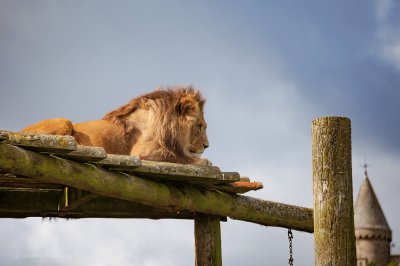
(164,125)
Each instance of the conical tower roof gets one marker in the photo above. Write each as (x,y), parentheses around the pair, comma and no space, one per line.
(368,213)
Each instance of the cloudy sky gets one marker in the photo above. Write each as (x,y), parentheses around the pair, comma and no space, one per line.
(267,69)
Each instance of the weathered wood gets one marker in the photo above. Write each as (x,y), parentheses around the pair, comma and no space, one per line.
(239,187)
(72,198)
(24,202)
(34,202)
(207,231)
(10,180)
(235,187)
(120,162)
(85,154)
(40,142)
(334,237)
(193,174)
(244,179)
(79,202)
(171,197)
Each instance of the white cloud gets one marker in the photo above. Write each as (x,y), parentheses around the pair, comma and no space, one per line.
(382,9)
(391,52)
(98,242)
(388,33)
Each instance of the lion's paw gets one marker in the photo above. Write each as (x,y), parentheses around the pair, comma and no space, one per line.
(203,161)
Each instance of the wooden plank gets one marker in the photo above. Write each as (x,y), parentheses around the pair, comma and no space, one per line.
(10,180)
(40,142)
(228,177)
(177,197)
(85,154)
(334,234)
(120,162)
(26,200)
(238,187)
(207,233)
(30,189)
(235,187)
(244,179)
(193,174)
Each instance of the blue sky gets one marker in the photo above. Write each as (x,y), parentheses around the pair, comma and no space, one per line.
(267,68)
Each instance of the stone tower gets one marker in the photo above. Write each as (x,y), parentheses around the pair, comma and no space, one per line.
(373,235)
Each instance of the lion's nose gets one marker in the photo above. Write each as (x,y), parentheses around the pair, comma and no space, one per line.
(205,145)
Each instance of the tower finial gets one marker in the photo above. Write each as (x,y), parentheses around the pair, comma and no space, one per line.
(365,169)
(365,165)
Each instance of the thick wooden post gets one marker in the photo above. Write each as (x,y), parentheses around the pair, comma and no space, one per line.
(207,233)
(334,239)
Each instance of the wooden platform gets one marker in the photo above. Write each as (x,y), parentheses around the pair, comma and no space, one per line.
(23,196)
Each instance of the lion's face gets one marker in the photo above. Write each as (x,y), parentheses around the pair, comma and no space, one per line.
(198,140)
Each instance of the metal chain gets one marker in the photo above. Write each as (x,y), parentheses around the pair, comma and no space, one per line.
(290,237)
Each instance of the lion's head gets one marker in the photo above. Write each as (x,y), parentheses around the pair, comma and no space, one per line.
(166,125)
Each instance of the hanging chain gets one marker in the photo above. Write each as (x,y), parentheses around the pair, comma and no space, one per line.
(290,237)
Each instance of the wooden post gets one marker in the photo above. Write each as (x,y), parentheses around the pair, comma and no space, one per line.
(334,239)
(207,233)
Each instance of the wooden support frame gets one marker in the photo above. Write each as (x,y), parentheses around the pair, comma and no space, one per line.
(334,236)
(143,196)
(170,197)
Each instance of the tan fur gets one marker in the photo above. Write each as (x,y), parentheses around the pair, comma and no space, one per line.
(165,125)
(56,126)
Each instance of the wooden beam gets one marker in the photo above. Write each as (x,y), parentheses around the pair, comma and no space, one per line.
(241,187)
(172,197)
(334,237)
(40,142)
(189,173)
(120,162)
(85,154)
(207,231)
(10,180)
(27,202)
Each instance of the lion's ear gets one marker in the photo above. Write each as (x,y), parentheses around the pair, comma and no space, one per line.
(186,106)
(201,104)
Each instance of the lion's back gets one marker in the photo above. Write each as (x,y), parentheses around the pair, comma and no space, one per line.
(55,126)
(101,133)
